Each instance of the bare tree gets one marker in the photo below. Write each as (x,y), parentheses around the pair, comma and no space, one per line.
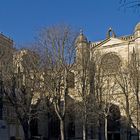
(134,71)
(123,80)
(22,88)
(105,100)
(95,88)
(105,88)
(82,82)
(134,75)
(130,4)
(58,58)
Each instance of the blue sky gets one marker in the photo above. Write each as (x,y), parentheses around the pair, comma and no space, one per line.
(22,19)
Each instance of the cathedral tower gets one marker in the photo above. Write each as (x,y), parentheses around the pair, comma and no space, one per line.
(82,48)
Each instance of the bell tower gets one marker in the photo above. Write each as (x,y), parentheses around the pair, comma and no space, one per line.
(82,47)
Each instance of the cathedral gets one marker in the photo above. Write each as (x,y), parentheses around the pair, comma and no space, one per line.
(108,61)
(113,57)
(110,64)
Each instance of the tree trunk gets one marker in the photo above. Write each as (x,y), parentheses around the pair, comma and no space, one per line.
(26,130)
(128,117)
(100,130)
(106,135)
(84,131)
(62,129)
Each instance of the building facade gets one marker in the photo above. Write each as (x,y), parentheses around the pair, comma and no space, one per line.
(113,57)
(9,126)
(105,67)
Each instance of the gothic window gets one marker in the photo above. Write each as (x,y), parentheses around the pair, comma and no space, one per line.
(110,63)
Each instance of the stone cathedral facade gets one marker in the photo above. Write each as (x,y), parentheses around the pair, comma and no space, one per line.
(113,55)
